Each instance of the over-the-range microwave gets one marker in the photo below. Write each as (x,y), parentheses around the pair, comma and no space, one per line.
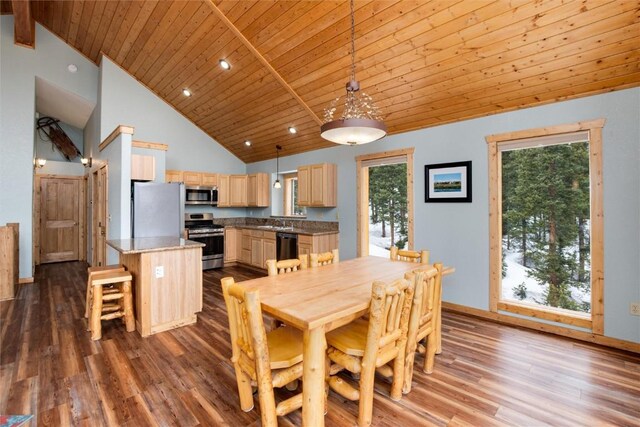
(198,195)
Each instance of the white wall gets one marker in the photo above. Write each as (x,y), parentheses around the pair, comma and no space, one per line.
(19,67)
(458,233)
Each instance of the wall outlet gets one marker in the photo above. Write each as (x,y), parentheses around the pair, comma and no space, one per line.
(159,271)
(635,308)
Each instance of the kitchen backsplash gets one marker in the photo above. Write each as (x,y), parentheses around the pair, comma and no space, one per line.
(297,223)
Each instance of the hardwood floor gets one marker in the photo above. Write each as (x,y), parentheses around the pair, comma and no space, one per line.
(487,374)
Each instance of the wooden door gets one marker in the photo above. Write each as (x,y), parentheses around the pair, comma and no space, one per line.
(59,219)
(99,190)
(304,186)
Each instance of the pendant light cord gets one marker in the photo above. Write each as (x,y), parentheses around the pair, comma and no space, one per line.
(353,42)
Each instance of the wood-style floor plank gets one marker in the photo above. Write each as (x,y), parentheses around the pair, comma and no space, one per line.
(488,374)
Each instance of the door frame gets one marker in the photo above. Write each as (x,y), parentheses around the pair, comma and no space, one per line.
(82,207)
(94,212)
(362,196)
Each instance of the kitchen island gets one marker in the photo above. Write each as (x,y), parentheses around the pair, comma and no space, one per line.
(167,280)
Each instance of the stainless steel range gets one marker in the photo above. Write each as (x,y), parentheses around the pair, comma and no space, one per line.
(200,228)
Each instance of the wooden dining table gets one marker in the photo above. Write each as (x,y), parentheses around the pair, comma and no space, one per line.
(318,300)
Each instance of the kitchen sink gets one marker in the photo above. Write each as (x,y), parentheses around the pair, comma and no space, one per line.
(268,227)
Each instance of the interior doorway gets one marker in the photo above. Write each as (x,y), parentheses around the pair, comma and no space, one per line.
(60,214)
(385,202)
(99,191)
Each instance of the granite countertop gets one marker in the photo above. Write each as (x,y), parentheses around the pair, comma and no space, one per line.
(152,244)
(295,230)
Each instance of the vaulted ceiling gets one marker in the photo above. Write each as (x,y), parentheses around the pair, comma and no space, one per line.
(425,63)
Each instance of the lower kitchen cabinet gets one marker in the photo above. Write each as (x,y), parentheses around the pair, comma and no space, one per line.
(232,244)
(256,247)
(317,244)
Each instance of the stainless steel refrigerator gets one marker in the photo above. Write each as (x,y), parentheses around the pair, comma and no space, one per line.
(157,210)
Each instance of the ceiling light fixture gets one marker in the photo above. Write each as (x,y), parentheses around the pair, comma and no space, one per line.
(186,92)
(360,122)
(224,64)
(247,143)
(72,68)
(277,184)
(293,130)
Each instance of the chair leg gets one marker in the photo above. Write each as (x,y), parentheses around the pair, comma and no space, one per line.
(408,371)
(430,352)
(128,307)
(365,408)
(244,389)
(267,405)
(398,376)
(87,302)
(96,313)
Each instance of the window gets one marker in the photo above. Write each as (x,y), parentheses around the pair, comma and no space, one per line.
(291,207)
(546,224)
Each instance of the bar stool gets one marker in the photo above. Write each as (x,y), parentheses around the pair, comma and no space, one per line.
(92,272)
(111,305)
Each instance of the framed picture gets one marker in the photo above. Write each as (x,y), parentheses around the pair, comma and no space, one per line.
(448,182)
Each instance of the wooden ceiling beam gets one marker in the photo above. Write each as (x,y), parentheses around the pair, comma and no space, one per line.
(261,58)
(24,26)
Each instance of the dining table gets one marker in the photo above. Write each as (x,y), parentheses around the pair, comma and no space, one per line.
(318,300)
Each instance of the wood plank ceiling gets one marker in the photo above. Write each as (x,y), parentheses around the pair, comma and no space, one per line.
(424,62)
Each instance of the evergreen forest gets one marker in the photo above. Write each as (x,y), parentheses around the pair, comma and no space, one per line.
(388,201)
(545,219)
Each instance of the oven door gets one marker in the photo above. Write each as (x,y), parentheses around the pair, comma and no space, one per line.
(213,251)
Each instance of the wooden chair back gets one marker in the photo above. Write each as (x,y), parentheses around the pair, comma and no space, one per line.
(388,320)
(283,266)
(250,351)
(420,257)
(324,258)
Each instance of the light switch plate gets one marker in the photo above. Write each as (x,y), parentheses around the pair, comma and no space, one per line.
(635,308)
(159,272)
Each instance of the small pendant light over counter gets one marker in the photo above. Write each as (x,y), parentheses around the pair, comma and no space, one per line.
(360,122)
(277,184)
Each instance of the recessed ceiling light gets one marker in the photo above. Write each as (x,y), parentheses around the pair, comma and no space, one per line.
(186,92)
(292,129)
(72,68)
(224,64)
(247,143)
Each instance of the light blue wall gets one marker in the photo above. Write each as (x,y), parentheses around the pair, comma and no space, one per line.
(458,234)
(124,101)
(19,67)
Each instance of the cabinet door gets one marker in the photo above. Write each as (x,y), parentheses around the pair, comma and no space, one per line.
(256,252)
(263,190)
(143,168)
(223,191)
(304,186)
(304,249)
(252,190)
(230,244)
(192,178)
(238,190)
(268,251)
(318,187)
(209,179)
(173,176)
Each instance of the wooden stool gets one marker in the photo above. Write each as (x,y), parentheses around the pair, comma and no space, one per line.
(118,303)
(92,272)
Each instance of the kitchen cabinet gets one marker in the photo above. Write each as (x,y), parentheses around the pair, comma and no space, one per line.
(191,178)
(256,252)
(238,190)
(209,179)
(173,176)
(317,244)
(317,185)
(268,248)
(258,190)
(245,255)
(223,191)
(231,248)
(143,168)
(257,247)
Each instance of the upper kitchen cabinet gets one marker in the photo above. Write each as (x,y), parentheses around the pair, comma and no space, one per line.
(209,179)
(173,176)
(238,190)
(317,185)
(143,168)
(192,178)
(258,190)
(223,191)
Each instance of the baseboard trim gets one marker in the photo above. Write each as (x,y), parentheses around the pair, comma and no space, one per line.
(25,280)
(543,327)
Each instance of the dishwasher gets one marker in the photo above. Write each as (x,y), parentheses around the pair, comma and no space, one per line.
(286,246)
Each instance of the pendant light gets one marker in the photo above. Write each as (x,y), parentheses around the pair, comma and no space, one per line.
(277,184)
(360,122)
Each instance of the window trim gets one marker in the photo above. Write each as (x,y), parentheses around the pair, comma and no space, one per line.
(495,143)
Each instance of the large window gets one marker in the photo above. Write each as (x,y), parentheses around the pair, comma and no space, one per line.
(546,224)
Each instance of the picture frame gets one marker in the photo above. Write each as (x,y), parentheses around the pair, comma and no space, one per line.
(448,183)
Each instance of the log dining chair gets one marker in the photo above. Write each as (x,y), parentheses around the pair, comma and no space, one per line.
(421,257)
(422,321)
(325,258)
(363,346)
(285,266)
(266,360)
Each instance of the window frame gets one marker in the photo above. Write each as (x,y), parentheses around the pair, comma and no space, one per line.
(495,143)
(288,195)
